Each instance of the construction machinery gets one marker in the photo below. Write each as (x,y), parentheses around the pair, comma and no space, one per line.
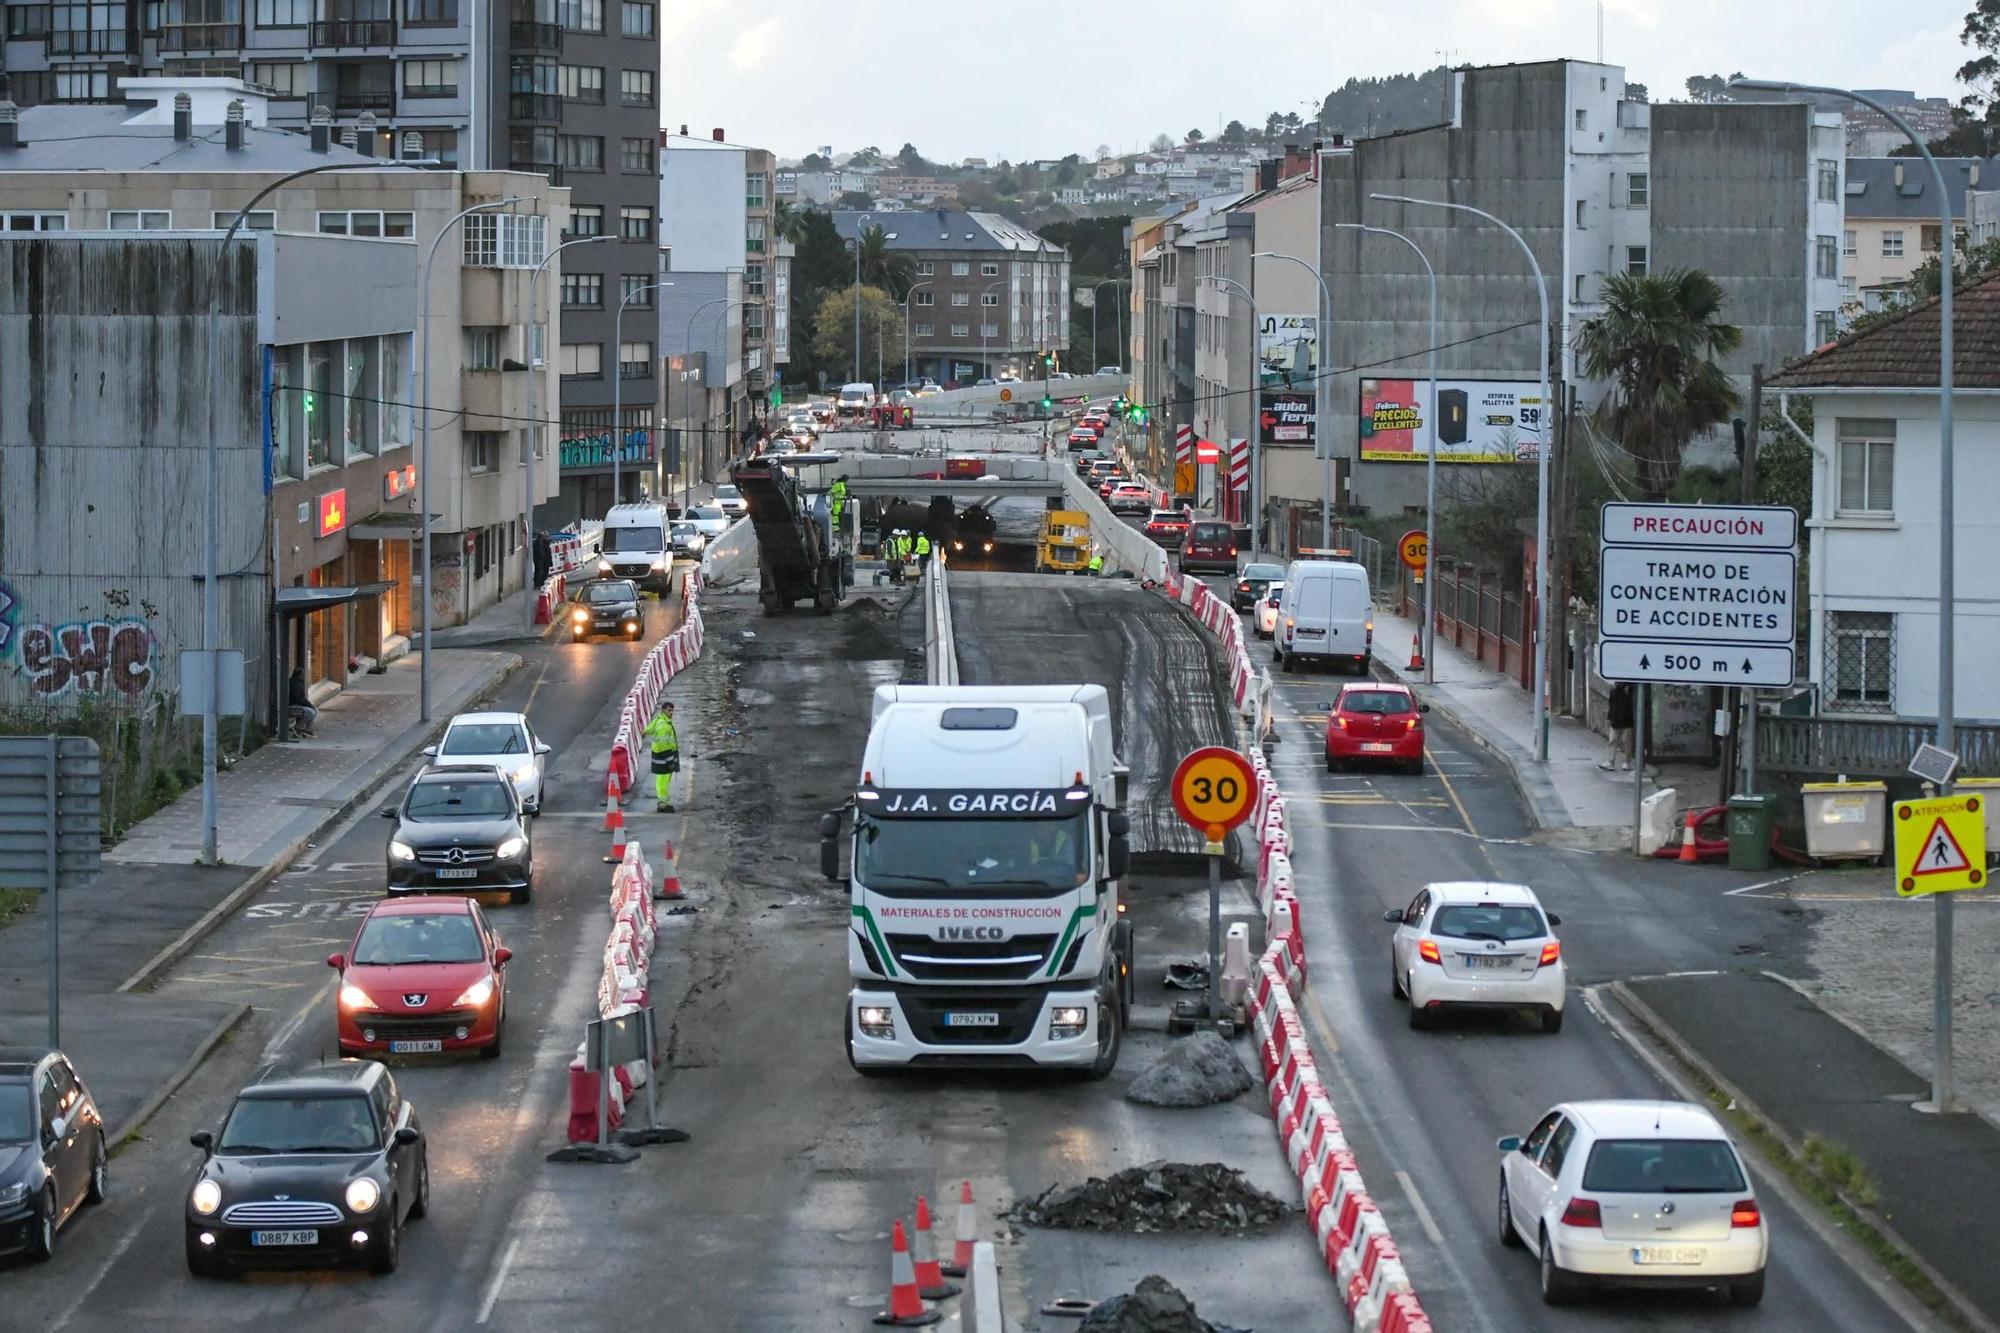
(798,553)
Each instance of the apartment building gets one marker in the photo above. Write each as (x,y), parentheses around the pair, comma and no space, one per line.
(1893,221)
(567,89)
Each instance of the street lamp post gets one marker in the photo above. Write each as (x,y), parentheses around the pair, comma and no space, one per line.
(618,379)
(1541,706)
(860,231)
(1320,421)
(1256,435)
(907,296)
(687,396)
(535,425)
(424,451)
(1431,462)
(1942,1074)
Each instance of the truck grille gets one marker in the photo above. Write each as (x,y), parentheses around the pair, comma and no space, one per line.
(1014,959)
(926,1014)
(1062,553)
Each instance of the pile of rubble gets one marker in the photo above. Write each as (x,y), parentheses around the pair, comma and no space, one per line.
(1200,1070)
(1155,1306)
(1159,1196)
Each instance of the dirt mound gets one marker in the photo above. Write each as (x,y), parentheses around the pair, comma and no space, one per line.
(1154,1306)
(1159,1196)
(1199,1070)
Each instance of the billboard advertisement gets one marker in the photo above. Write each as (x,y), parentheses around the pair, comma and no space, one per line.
(1286,418)
(1287,362)
(1479,421)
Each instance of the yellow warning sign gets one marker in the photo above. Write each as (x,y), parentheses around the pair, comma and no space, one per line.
(1940,845)
(1184,478)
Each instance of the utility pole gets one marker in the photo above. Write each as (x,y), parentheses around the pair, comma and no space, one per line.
(1747,742)
(1558,554)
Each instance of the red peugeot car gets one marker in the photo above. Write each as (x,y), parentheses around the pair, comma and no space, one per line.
(425,974)
(1375,721)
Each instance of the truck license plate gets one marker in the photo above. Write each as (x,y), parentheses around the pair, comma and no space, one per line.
(458,872)
(430,1047)
(1668,1254)
(284,1238)
(972,1020)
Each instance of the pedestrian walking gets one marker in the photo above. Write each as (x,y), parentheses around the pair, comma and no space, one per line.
(1621,727)
(544,558)
(299,704)
(666,747)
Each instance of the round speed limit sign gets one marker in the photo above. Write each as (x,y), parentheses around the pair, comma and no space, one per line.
(1213,790)
(1415,550)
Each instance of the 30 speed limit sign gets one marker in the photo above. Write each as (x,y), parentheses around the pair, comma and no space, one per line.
(1415,550)
(1213,790)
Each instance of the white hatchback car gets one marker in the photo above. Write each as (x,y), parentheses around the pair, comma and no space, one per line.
(1267,610)
(709,520)
(1637,1194)
(504,740)
(1477,945)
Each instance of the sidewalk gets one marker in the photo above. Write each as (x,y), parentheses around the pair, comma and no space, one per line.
(506,621)
(1570,791)
(152,904)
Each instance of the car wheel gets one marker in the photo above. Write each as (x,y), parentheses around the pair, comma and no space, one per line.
(420,1207)
(42,1237)
(98,1188)
(1748,1292)
(1110,1036)
(1420,1017)
(1416,767)
(389,1250)
(541,796)
(1558,1284)
(1395,978)
(1508,1236)
(1552,1020)
(1332,764)
(491,1050)
(1287,663)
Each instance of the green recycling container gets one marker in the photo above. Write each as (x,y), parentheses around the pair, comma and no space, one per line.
(1750,819)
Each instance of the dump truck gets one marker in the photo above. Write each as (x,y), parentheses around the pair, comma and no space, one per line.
(1065,547)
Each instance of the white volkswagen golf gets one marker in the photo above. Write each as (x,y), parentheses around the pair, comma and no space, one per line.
(1637,1194)
(1475,945)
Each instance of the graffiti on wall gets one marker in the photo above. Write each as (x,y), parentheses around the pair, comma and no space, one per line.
(9,604)
(112,657)
(445,582)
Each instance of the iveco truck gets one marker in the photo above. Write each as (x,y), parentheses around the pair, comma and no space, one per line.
(987,844)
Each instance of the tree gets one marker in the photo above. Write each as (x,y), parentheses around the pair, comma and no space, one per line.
(815,162)
(871,156)
(1969,263)
(1161,144)
(1103,151)
(850,200)
(1005,183)
(1975,121)
(1656,342)
(833,330)
(1710,87)
(787,222)
(884,267)
(912,162)
(1194,137)
(1234,134)
(1274,126)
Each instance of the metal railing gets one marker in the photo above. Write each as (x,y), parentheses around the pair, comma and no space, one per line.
(1476,614)
(354,32)
(202,37)
(364,99)
(546,37)
(1868,747)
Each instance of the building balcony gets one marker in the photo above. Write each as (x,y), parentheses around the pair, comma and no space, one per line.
(340,33)
(534,107)
(543,38)
(202,37)
(89,42)
(382,101)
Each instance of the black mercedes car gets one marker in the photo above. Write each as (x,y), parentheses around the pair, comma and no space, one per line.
(52,1149)
(610,606)
(460,828)
(313,1168)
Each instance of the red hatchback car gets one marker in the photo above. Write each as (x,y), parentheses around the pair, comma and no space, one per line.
(1375,721)
(1167,527)
(425,974)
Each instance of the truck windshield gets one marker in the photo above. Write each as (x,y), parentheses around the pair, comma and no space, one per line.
(632,539)
(972,855)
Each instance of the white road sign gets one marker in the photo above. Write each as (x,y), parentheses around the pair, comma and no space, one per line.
(1705,527)
(1694,663)
(1673,594)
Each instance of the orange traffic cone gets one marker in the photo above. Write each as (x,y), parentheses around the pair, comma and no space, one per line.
(906,1304)
(930,1278)
(968,1232)
(1416,652)
(1687,840)
(670,875)
(617,852)
(613,817)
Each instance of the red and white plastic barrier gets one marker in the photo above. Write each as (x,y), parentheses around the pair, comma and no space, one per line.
(622,987)
(668,658)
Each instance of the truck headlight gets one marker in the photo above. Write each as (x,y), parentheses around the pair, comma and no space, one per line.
(876,1020)
(207,1197)
(604,569)
(661,563)
(1068,1021)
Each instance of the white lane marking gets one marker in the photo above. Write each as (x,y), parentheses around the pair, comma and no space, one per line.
(1767,884)
(110,1262)
(276,1046)
(499,1277)
(1423,1209)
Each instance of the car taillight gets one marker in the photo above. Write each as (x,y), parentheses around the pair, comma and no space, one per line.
(1582,1213)
(1744,1213)
(1244,586)
(1414,723)
(1340,721)
(1550,952)
(1428,951)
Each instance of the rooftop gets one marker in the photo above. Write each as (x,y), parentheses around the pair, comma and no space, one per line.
(1872,191)
(70,137)
(942,229)
(1902,352)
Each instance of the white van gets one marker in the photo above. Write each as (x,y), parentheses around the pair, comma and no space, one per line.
(638,545)
(1326,612)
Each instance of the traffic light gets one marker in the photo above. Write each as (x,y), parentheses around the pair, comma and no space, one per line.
(1047,402)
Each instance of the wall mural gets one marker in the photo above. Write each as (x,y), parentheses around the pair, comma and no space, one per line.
(101,657)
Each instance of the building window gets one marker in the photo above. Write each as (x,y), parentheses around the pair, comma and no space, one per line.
(925,297)
(635,361)
(636,155)
(636,290)
(583,361)
(961,298)
(1582,119)
(753,323)
(581,83)
(925,330)
(399,410)
(581,15)
(1861,661)
(961,268)
(1580,280)
(635,86)
(637,18)
(1826,261)
(1892,245)
(926,267)
(753,236)
(285,78)
(1931,238)
(27,22)
(1867,467)
(961,330)
(140,219)
(83,83)
(585,220)
(583,291)
(482,452)
(1638,190)
(430,13)
(989,330)
(33,222)
(989,298)
(1635,260)
(580,152)
(360,392)
(1849,286)
(430,78)
(367,222)
(753,277)
(1847,246)
(282,13)
(1579,215)
(1829,181)
(635,222)
(505,240)
(259,219)
(317,404)
(482,348)
(754,190)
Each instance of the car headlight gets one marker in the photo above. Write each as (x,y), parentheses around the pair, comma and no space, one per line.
(475,995)
(362,1195)
(206,1198)
(402,851)
(13,1193)
(579,615)
(353,997)
(511,848)
(1068,1021)
(604,568)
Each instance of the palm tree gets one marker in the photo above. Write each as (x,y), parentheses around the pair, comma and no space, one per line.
(1656,342)
(891,270)
(787,222)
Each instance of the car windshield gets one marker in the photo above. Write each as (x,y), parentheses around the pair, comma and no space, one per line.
(1165,516)
(608,592)
(684,528)
(1262,573)
(484,738)
(631,539)
(726,493)
(338,1122)
(1210,532)
(705,511)
(972,854)
(1273,593)
(17,1114)
(1663,1166)
(430,937)
(474,798)
(1376,701)
(1488,921)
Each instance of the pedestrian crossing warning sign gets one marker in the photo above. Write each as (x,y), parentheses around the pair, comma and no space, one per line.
(1940,845)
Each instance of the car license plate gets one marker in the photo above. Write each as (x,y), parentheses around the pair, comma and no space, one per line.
(1376,747)
(458,872)
(416,1047)
(1668,1254)
(284,1238)
(1481,960)
(972,1020)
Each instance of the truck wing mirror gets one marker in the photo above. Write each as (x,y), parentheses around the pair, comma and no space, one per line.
(1118,847)
(829,845)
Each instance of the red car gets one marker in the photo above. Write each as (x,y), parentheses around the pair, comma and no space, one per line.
(1376,720)
(425,974)
(1096,421)
(1210,544)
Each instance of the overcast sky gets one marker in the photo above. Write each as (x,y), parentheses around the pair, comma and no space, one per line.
(1037,78)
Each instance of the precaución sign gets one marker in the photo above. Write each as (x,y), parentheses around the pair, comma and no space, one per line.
(1730,597)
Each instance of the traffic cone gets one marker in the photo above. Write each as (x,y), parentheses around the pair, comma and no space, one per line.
(670,874)
(968,1232)
(1687,840)
(930,1278)
(1416,652)
(906,1303)
(617,821)
(613,817)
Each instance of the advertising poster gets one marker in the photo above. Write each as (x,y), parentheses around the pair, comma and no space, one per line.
(1287,362)
(1479,421)
(1286,418)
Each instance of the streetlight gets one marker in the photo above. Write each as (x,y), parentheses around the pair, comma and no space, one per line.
(687,397)
(1256,435)
(1095,355)
(1431,463)
(424,450)
(1322,442)
(906,328)
(618,380)
(1541,713)
(1941,1072)
(860,230)
(211,536)
(528,472)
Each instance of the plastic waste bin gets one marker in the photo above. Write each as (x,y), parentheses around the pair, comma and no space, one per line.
(1750,831)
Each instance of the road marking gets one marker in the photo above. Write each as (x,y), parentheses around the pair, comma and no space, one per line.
(1766,884)
(529,706)
(1452,792)
(1367,798)
(110,1262)
(286,1031)
(1423,1211)
(1318,1017)
(499,1277)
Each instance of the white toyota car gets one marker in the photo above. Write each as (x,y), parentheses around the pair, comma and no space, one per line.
(504,740)
(1635,1194)
(1477,945)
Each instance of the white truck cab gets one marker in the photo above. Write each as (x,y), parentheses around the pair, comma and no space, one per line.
(638,545)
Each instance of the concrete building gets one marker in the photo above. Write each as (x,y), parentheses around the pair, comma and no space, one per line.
(1892,223)
(345,396)
(701,320)
(1869,133)
(1982,216)
(567,89)
(989,296)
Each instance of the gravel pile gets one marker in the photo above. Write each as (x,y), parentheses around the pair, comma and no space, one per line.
(1160,1196)
(1155,1306)
(1199,1070)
